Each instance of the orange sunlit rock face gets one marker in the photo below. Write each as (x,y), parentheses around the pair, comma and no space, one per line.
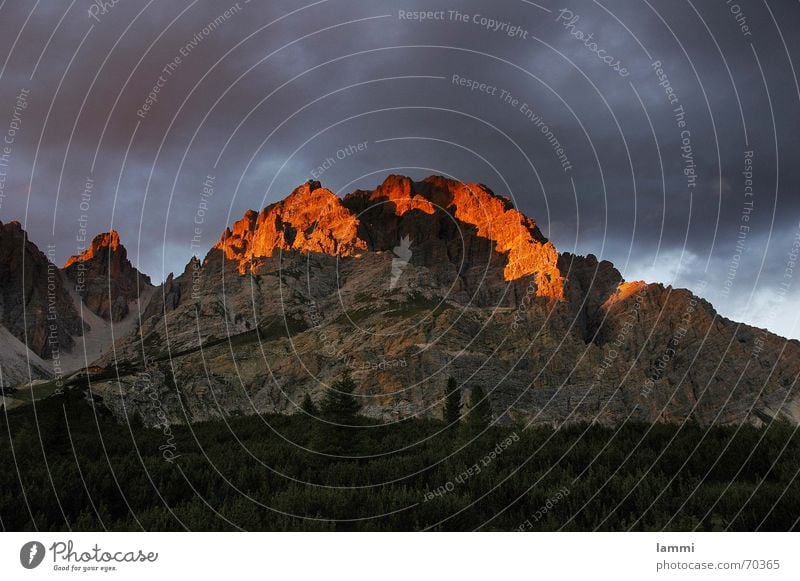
(314,219)
(397,195)
(106,240)
(311,219)
(514,234)
(625,290)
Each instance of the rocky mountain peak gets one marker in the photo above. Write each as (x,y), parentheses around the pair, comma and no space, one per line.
(395,285)
(14,225)
(513,234)
(107,242)
(104,277)
(34,305)
(414,281)
(310,219)
(462,224)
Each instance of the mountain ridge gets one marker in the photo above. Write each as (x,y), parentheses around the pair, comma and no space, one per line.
(40,304)
(314,219)
(413,282)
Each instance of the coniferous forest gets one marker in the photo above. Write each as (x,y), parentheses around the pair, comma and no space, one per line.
(68,465)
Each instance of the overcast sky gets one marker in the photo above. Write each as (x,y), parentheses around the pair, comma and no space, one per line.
(259,94)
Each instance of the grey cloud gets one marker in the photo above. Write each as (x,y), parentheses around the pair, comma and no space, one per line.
(581,100)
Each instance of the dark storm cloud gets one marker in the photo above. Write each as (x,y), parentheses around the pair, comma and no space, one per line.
(273,89)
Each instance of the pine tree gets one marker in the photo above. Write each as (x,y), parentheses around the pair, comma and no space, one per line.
(339,405)
(480,410)
(309,406)
(452,402)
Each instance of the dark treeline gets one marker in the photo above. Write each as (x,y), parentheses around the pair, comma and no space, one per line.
(84,471)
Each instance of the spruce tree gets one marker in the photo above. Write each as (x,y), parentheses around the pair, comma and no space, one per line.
(309,406)
(339,405)
(452,402)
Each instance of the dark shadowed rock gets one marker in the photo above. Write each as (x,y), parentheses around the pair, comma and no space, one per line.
(35,306)
(104,278)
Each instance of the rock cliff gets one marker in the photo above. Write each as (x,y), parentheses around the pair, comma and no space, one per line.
(104,278)
(43,333)
(35,306)
(413,282)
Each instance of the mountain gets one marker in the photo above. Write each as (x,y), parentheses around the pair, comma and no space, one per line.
(46,333)
(104,277)
(413,282)
(35,309)
(33,288)
(454,226)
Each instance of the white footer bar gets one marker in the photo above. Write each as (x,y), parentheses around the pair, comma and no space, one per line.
(399,556)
